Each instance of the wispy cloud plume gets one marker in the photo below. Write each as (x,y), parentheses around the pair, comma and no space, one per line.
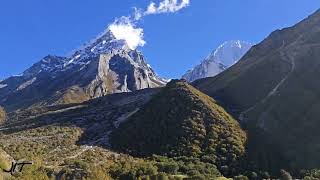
(166,6)
(125,28)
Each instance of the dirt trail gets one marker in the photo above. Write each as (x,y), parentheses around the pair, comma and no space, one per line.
(287,57)
(81,151)
(293,66)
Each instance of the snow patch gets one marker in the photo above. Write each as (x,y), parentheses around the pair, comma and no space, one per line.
(26,84)
(17,75)
(3,86)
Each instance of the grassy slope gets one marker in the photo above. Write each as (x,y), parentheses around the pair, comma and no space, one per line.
(66,142)
(2,115)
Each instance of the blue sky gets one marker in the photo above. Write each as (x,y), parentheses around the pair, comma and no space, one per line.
(176,42)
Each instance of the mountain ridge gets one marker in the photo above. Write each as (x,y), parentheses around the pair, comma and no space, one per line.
(104,66)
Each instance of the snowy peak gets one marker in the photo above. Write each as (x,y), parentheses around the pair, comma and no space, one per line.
(230,52)
(48,64)
(226,55)
(103,44)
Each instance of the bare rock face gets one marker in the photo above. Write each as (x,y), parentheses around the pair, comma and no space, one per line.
(105,66)
(122,71)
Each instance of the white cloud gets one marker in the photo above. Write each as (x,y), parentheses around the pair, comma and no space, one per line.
(166,6)
(124,29)
(138,14)
(152,9)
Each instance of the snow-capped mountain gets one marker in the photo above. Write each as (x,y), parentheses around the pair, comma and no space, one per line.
(103,44)
(219,60)
(104,66)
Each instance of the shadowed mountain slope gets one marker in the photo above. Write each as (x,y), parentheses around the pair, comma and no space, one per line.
(274,90)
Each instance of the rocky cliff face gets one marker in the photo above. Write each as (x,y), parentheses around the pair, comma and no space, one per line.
(219,60)
(127,69)
(104,66)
